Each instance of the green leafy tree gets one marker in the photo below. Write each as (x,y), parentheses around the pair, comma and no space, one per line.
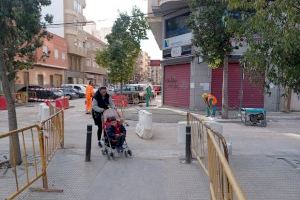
(212,39)
(273,35)
(21,33)
(123,48)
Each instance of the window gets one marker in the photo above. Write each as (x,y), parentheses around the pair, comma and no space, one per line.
(63,55)
(45,50)
(177,25)
(55,54)
(51,81)
(26,78)
(75,5)
(40,79)
(80,44)
(88,62)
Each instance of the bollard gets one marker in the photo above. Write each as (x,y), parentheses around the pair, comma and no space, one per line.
(188,153)
(88,143)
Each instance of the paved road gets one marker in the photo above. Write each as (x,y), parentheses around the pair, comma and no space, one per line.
(267,160)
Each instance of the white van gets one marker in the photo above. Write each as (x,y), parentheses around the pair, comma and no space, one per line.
(79,87)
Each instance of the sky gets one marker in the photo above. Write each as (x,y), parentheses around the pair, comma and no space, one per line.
(105,12)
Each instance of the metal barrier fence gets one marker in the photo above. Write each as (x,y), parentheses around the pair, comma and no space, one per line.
(38,144)
(210,149)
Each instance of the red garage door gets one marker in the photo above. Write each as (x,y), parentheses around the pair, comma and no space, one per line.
(176,88)
(253,94)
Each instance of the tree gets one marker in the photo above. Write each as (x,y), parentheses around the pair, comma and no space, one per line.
(273,37)
(21,33)
(212,39)
(123,48)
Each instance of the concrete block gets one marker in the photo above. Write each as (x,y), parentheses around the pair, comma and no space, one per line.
(44,112)
(181,134)
(144,126)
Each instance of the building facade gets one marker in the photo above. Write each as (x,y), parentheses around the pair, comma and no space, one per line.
(69,20)
(99,33)
(93,72)
(155,72)
(76,38)
(142,68)
(47,71)
(185,76)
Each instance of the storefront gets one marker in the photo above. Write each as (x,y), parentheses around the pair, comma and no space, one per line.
(177,85)
(242,92)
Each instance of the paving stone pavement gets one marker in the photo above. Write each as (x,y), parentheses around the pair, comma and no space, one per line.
(154,172)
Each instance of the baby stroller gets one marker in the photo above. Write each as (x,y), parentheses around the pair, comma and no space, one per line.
(109,146)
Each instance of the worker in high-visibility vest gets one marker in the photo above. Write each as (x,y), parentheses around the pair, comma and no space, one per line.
(211,102)
(148,95)
(89,93)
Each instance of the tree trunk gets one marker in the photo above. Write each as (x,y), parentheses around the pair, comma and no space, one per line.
(122,87)
(14,145)
(288,100)
(225,90)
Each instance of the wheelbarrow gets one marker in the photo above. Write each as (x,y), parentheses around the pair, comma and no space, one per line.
(254,117)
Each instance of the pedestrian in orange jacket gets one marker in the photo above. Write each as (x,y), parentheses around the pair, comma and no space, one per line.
(89,93)
(211,101)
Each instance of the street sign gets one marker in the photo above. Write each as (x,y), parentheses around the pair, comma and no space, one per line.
(176,52)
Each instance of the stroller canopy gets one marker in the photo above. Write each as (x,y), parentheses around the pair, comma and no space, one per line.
(111,113)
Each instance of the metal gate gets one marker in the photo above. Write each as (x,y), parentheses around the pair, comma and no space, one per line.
(241,91)
(176,87)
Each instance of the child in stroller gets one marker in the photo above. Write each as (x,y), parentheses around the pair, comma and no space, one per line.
(114,134)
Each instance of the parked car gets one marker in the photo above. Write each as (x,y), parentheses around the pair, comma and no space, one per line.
(69,93)
(136,93)
(157,89)
(77,91)
(38,92)
(24,89)
(79,88)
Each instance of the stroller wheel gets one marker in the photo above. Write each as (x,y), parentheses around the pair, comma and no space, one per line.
(129,152)
(107,154)
(103,152)
(112,155)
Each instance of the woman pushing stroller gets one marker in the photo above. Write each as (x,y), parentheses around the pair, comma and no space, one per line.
(101,102)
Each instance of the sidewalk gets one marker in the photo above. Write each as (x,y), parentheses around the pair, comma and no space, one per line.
(266,161)
(155,172)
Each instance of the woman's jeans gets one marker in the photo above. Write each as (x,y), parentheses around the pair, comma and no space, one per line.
(211,111)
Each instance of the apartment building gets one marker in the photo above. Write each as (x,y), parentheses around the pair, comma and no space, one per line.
(93,72)
(142,68)
(47,71)
(76,39)
(155,72)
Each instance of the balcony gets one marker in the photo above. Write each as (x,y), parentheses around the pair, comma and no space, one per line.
(95,70)
(163,7)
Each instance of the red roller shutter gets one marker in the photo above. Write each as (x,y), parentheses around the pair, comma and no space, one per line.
(216,85)
(234,85)
(176,88)
(253,94)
